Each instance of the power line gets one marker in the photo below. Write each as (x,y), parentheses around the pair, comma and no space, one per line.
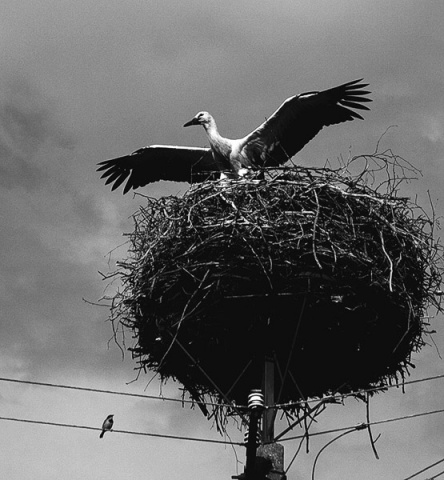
(325,446)
(366,390)
(346,430)
(425,469)
(127,432)
(215,404)
(437,475)
(362,425)
(224,442)
(113,392)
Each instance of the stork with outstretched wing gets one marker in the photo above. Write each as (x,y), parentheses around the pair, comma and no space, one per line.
(271,144)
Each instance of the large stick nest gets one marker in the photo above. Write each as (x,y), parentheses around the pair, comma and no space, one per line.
(317,269)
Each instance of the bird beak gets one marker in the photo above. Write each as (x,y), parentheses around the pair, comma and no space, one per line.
(193,121)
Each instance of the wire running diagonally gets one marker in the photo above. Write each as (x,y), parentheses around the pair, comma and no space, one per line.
(111,392)
(127,432)
(425,469)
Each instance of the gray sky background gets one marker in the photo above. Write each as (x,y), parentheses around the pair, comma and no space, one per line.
(89,80)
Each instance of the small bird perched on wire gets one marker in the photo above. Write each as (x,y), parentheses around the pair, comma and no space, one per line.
(107,425)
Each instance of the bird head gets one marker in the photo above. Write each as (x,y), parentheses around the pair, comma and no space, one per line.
(202,118)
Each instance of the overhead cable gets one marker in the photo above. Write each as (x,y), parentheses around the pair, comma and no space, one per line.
(127,432)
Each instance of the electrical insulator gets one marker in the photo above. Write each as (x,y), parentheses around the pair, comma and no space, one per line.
(256,399)
(258,436)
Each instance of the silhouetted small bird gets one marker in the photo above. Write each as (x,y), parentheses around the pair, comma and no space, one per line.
(107,425)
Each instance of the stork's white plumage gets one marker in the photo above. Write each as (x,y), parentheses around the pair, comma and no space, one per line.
(274,142)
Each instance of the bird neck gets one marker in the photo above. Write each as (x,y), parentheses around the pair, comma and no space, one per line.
(218,143)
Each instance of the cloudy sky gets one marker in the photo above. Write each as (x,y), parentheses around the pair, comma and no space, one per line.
(88,80)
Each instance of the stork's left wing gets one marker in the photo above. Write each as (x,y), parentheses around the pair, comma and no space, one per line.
(160,162)
(300,118)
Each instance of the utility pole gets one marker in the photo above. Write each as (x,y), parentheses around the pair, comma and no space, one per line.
(266,461)
(271,452)
(269,413)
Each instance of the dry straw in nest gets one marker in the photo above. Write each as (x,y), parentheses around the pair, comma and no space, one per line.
(318,269)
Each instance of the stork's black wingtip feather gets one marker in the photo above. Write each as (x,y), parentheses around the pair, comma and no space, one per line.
(357,96)
(102,166)
(349,104)
(353,82)
(127,188)
(356,115)
(355,86)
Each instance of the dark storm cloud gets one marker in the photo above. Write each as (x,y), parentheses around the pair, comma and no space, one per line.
(28,122)
(16,170)
(47,270)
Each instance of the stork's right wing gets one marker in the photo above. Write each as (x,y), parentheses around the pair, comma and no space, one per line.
(300,118)
(160,162)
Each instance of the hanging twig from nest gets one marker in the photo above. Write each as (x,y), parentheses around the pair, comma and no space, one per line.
(369,429)
(389,260)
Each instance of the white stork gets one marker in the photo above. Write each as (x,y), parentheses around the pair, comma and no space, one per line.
(271,144)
